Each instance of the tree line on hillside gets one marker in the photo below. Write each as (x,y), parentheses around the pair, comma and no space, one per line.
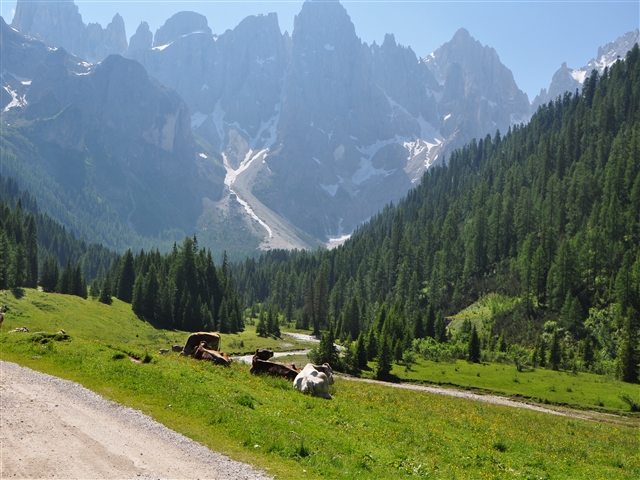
(547,216)
(36,250)
(182,289)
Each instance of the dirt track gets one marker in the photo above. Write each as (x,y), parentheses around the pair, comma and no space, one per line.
(53,428)
(507,402)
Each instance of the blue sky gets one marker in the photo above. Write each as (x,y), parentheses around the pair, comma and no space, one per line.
(532,38)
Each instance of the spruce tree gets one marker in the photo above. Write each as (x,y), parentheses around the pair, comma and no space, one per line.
(327,352)
(138,300)
(474,346)
(502,343)
(19,267)
(31,247)
(50,274)
(126,278)
(105,292)
(261,327)
(418,326)
(361,351)
(384,358)
(555,355)
(628,355)
(440,329)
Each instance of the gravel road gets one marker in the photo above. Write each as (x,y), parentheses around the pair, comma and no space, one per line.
(54,428)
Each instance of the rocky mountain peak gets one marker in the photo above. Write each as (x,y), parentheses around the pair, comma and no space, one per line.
(566,79)
(60,24)
(142,39)
(182,23)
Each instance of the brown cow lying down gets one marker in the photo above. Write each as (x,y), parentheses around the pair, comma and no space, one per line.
(315,379)
(263,353)
(211,339)
(276,369)
(203,353)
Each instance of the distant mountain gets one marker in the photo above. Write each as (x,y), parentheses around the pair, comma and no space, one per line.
(108,149)
(318,127)
(60,24)
(568,80)
(479,93)
(309,135)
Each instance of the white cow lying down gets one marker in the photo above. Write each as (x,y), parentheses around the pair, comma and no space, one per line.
(315,379)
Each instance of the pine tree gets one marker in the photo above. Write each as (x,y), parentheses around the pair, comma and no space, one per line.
(105,292)
(587,352)
(502,343)
(31,247)
(138,300)
(418,326)
(327,352)
(19,270)
(65,281)
(361,351)
(150,292)
(126,279)
(628,355)
(261,328)
(430,326)
(372,345)
(474,346)
(555,355)
(384,358)
(50,274)
(5,260)
(543,353)
(94,289)
(440,329)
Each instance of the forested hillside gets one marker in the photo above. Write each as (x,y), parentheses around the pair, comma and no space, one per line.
(548,215)
(32,244)
(182,289)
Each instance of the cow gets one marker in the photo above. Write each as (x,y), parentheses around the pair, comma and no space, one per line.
(276,369)
(315,379)
(263,353)
(163,351)
(176,348)
(203,353)
(212,340)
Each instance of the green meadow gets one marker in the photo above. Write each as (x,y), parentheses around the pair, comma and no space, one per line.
(545,386)
(366,431)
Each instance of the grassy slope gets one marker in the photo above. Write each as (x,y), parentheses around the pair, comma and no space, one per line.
(582,390)
(366,431)
(482,310)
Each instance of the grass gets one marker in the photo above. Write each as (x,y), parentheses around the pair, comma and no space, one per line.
(482,310)
(582,390)
(116,324)
(366,431)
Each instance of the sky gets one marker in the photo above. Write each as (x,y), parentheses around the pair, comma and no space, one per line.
(532,37)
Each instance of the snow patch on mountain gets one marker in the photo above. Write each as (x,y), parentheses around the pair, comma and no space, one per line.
(16,100)
(252,214)
(198,119)
(330,189)
(232,174)
(366,170)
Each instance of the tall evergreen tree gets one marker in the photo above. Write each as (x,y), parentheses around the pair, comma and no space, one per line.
(474,346)
(628,354)
(126,278)
(384,358)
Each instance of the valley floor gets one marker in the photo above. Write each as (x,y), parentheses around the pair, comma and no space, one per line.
(57,428)
(508,402)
